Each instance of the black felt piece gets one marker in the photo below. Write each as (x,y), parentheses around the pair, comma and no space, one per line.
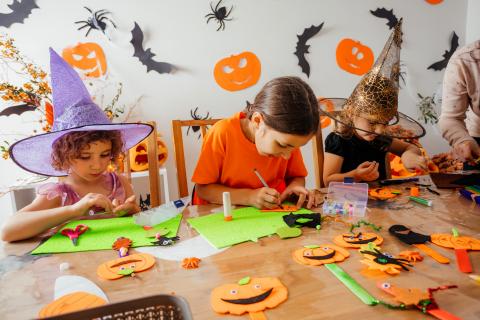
(292,219)
(407,236)
(251,300)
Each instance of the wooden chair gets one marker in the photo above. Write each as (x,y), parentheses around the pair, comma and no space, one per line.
(179,151)
(153,174)
(318,157)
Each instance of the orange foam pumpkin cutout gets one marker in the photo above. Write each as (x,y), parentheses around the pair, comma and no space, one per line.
(118,268)
(87,57)
(349,240)
(237,72)
(255,296)
(384,193)
(324,120)
(354,57)
(139,155)
(319,255)
(460,242)
(75,301)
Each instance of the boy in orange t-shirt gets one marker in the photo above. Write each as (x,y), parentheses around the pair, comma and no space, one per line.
(265,137)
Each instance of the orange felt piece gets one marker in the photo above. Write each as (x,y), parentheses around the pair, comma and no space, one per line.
(255,296)
(75,301)
(325,253)
(191,263)
(411,256)
(88,57)
(409,297)
(138,262)
(414,192)
(237,72)
(354,57)
(349,240)
(384,193)
(460,242)
(284,208)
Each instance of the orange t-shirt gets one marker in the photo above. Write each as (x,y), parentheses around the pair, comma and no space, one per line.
(228,158)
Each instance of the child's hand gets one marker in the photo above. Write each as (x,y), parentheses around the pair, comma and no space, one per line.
(265,198)
(92,200)
(303,195)
(412,161)
(130,205)
(367,171)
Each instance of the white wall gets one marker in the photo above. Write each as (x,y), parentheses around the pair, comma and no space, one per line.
(176,31)
(473,23)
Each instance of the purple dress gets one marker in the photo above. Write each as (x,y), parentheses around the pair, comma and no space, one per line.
(69,196)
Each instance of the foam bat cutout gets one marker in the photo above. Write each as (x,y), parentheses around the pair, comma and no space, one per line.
(311,220)
(442,64)
(19,109)
(20,12)
(302,47)
(387,14)
(145,56)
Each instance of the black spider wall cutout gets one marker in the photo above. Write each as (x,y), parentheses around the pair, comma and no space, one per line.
(219,14)
(97,21)
(195,116)
(385,258)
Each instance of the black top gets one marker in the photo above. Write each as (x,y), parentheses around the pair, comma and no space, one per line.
(355,151)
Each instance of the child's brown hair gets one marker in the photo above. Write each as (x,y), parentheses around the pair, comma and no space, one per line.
(70,145)
(288,105)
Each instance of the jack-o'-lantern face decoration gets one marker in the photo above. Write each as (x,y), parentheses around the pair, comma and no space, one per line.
(354,57)
(256,295)
(460,242)
(87,57)
(237,72)
(118,268)
(321,254)
(329,107)
(139,155)
(355,240)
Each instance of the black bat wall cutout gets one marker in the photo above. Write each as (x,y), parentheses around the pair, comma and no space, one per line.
(302,47)
(442,64)
(19,109)
(386,14)
(145,56)
(20,12)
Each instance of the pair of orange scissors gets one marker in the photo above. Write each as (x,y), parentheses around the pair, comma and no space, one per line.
(73,234)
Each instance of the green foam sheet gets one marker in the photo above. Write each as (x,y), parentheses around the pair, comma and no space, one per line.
(248,224)
(102,233)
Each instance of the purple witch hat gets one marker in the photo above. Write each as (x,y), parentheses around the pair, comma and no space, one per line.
(74,110)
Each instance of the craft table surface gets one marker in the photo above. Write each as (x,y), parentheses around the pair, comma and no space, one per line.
(314,293)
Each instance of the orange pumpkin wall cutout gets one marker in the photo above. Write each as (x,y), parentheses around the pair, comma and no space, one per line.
(324,120)
(237,72)
(249,295)
(88,58)
(354,57)
(139,155)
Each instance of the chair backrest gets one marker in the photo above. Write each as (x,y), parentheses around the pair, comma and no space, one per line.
(179,151)
(318,157)
(153,174)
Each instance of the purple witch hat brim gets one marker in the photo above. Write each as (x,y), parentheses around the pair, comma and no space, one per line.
(39,147)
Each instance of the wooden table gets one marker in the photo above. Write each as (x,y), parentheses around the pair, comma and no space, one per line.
(314,293)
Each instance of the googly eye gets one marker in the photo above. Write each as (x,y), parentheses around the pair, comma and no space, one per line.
(386,285)
(388,255)
(233,291)
(360,237)
(257,286)
(326,248)
(308,253)
(132,266)
(122,268)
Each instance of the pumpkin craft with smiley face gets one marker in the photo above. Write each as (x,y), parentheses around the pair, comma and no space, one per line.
(253,295)
(126,266)
(384,193)
(461,242)
(87,57)
(139,155)
(356,240)
(319,255)
(354,57)
(237,72)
